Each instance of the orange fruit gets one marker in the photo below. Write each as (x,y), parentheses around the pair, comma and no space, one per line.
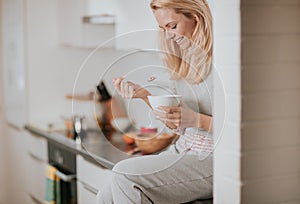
(127,139)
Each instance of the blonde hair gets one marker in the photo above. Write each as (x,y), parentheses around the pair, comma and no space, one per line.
(194,63)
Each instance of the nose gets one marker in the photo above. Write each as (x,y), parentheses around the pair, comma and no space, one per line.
(170,35)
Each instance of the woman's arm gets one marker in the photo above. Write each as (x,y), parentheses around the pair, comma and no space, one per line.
(183,117)
(205,122)
(128,89)
(173,117)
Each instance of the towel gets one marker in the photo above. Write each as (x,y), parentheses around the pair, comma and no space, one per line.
(57,190)
(52,195)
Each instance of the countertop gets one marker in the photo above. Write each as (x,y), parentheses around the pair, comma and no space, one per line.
(95,148)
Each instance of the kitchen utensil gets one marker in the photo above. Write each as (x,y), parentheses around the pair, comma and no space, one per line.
(81,97)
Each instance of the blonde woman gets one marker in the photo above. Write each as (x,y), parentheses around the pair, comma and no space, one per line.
(184,172)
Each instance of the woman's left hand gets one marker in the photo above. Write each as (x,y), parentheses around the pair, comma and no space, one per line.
(177,117)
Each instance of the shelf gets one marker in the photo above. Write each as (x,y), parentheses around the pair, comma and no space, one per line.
(103,19)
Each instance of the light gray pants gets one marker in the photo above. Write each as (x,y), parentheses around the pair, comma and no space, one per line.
(165,178)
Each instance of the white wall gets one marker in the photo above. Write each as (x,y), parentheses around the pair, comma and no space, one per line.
(52,68)
(227,62)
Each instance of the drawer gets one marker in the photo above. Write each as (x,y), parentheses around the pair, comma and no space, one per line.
(36,175)
(85,194)
(37,147)
(91,174)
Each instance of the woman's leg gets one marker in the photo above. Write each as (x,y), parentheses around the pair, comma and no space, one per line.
(166,178)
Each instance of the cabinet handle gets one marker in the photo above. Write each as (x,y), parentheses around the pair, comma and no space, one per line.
(64,177)
(35,157)
(13,126)
(89,188)
(35,200)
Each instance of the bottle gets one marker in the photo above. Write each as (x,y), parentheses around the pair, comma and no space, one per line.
(106,103)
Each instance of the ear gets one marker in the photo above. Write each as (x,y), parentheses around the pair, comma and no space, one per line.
(196,18)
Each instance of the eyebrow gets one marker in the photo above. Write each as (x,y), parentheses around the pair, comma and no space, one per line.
(168,24)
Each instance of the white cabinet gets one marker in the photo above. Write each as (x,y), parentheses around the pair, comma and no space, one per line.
(13,61)
(26,156)
(36,153)
(13,82)
(17,180)
(91,178)
(133,27)
(85,194)
(87,23)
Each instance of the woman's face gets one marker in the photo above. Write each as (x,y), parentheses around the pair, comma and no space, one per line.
(179,27)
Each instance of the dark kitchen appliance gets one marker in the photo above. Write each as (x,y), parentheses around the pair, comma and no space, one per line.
(65,162)
(106,103)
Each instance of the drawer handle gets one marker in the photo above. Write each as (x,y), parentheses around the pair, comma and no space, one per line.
(35,200)
(13,126)
(64,177)
(35,157)
(89,188)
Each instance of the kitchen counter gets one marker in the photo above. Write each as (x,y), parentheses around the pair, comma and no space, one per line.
(95,148)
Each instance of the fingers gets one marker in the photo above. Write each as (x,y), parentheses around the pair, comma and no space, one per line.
(171,125)
(167,115)
(124,88)
(170,116)
(117,83)
(168,112)
(129,89)
(175,122)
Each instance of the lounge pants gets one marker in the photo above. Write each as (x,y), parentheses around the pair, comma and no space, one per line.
(166,178)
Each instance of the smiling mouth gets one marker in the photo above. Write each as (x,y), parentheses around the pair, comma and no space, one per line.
(179,40)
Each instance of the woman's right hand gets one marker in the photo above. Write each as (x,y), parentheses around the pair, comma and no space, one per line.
(128,89)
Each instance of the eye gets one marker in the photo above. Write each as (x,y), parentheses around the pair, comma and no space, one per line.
(174,27)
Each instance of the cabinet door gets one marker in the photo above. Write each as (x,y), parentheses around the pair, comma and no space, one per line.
(86,194)
(36,179)
(91,174)
(74,32)
(13,61)
(17,168)
(36,152)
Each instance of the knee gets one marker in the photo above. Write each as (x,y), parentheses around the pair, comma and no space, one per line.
(119,180)
(126,166)
(119,167)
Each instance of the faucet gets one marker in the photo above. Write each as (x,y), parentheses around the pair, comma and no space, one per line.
(79,132)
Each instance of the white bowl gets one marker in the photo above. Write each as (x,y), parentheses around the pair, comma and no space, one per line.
(164,100)
(121,124)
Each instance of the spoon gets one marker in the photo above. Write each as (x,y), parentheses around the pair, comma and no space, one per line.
(152,78)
